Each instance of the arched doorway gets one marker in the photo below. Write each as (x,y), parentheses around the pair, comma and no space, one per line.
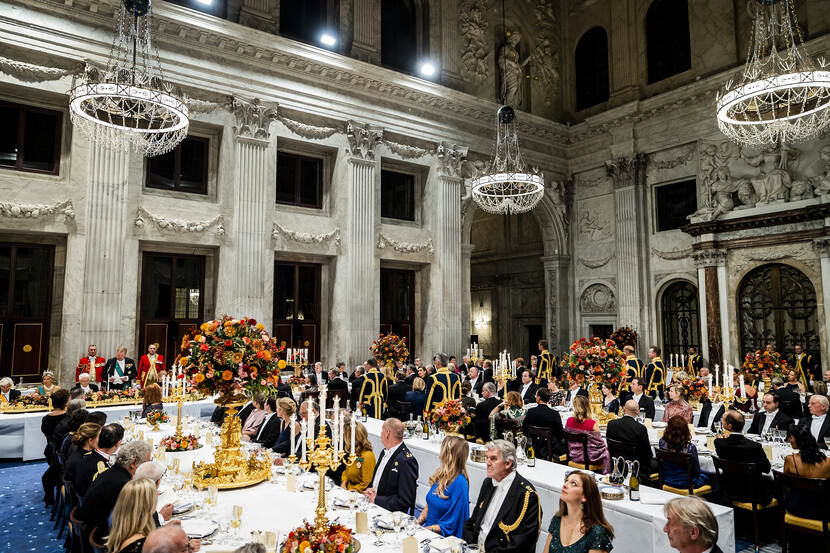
(777,305)
(680,317)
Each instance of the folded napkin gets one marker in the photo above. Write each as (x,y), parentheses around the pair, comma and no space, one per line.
(445,544)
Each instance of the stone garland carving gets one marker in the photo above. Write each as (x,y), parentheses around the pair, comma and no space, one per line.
(406,151)
(404,247)
(362,139)
(598,298)
(672,254)
(452,159)
(178,225)
(687,154)
(35,211)
(32,73)
(306,237)
(801,252)
(596,263)
(196,105)
(473,22)
(305,130)
(253,118)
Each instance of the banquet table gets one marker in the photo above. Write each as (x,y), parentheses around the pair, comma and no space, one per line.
(638,525)
(20,436)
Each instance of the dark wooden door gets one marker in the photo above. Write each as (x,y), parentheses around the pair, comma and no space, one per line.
(297,306)
(397,305)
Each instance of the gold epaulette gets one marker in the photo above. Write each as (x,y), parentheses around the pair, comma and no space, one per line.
(507,528)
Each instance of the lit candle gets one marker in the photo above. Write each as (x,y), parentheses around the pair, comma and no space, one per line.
(303,428)
(709,384)
(352,442)
(717,379)
(293,432)
(682,360)
(340,435)
(741,380)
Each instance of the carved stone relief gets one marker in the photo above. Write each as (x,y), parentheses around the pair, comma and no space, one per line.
(404,247)
(178,225)
(598,298)
(597,262)
(32,73)
(473,22)
(279,231)
(452,159)
(672,255)
(253,118)
(35,211)
(595,219)
(306,130)
(362,139)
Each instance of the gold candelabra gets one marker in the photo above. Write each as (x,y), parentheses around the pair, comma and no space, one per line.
(321,457)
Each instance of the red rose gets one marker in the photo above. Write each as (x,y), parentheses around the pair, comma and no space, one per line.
(204,347)
(228,343)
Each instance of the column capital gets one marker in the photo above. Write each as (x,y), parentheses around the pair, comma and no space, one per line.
(452,158)
(363,139)
(822,246)
(253,119)
(626,171)
(709,258)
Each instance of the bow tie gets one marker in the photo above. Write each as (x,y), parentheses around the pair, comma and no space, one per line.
(817,417)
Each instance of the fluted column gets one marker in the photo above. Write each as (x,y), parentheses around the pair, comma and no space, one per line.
(822,247)
(253,199)
(556,283)
(106,236)
(632,261)
(361,266)
(712,285)
(260,14)
(366,41)
(447,232)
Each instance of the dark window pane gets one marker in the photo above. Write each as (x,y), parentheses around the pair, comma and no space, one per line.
(307,293)
(397,296)
(10,118)
(155,287)
(397,195)
(591,64)
(40,140)
(5,278)
(32,268)
(284,292)
(194,155)
(675,202)
(189,278)
(161,171)
(304,20)
(286,178)
(667,39)
(299,180)
(399,34)
(310,173)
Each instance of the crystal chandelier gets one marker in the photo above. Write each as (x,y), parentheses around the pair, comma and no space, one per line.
(782,97)
(129,105)
(506,186)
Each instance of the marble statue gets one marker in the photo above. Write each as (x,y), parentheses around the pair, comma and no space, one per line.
(512,71)
(823,181)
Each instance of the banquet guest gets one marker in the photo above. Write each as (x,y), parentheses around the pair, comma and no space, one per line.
(542,415)
(91,364)
(423,373)
(507,512)
(84,385)
(373,390)
(285,410)
(655,373)
(677,406)
(819,388)
(738,448)
(442,385)
(746,399)
(132,516)
(271,426)
(511,408)
(170,538)
(358,476)
(818,423)
(254,421)
(805,365)
(48,424)
(515,384)
(152,399)
(395,480)
(548,369)
(337,384)
(789,401)
(120,371)
(487,370)
(579,526)
(678,438)
(769,348)
(84,440)
(62,429)
(397,392)
(610,402)
(47,386)
(320,375)
(150,366)
(645,401)
(691,526)
(808,461)
(634,368)
(448,499)
(557,396)
(827,377)
(73,423)
(711,412)
(704,373)
(694,363)
(417,397)
(481,414)
(627,429)
(7,392)
(155,472)
(465,365)
(527,389)
(581,422)
(575,389)
(475,380)
(102,494)
(534,365)
(411,374)
(794,382)
(99,459)
(770,417)
(468,402)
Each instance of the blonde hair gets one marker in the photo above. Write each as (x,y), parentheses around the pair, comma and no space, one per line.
(452,461)
(514,399)
(581,411)
(361,437)
(133,512)
(418,384)
(287,405)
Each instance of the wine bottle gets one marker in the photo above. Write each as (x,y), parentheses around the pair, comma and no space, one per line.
(531,456)
(426,429)
(634,487)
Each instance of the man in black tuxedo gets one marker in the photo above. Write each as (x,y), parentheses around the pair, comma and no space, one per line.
(411,375)
(644,401)
(481,415)
(464,367)
(711,412)
(627,429)
(544,416)
(818,423)
(120,371)
(271,426)
(320,375)
(527,389)
(507,513)
(574,390)
(740,449)
(9,394)
(96,461)
(691,526)
(788,400)
(475,379)
(770,417)
(84,385)
(395,480)
(397,392)
(487,371)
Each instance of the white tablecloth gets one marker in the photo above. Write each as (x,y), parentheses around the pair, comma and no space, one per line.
(20,436)
(638,525)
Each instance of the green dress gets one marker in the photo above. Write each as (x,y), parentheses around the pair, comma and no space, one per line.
(596,538)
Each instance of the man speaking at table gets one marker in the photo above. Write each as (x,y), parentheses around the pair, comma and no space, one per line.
(396,473)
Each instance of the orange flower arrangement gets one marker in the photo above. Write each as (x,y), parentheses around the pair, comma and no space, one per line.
(389,349)
(336,539)
(595,359)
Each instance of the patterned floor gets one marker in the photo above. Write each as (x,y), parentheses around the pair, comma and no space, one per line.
(25,524)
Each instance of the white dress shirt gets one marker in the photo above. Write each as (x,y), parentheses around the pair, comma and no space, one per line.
(387,454)
(768,421)
(816,424)
(473,383)
(524,389)
(495,505)
(712,412)
(86,390)
(637,398)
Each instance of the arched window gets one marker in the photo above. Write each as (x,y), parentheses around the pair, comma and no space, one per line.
(591,63)
(404,33)
(681,322)
(667,39)
(777,305)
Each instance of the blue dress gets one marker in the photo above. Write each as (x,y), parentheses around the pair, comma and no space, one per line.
(675,476)
(596,538)
(449,513)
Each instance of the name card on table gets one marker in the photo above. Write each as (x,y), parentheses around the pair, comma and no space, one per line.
(768,451)
(710,443)
(410,545)
(649,424)
(361,523)
(291,482)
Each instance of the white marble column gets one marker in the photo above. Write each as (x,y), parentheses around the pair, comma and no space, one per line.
(366,40)
(822,247)
(702,317)
(247,292)
(263,15)
(556,288)
(466,299)
(362,270)
(106,237)
(447,232)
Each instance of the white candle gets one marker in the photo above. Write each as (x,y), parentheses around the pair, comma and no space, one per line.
(741,380)
(303,428)
(293,432)
(352,442)
(340,436)
(717,380)
(709,384)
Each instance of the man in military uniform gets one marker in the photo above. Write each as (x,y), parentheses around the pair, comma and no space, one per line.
(806,366)
(374,388)
(655,373)
(395,480)
(96,461)
(507,516)
(694,363)
(634,368)
(120,371)
(547,365)
(92,364)
(442,385)
(150,366)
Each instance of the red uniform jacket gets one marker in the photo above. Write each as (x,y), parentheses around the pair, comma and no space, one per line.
(83,367)
(144,366)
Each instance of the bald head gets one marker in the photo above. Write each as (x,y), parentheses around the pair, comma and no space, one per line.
(631,408)
(170,538)
(391,433)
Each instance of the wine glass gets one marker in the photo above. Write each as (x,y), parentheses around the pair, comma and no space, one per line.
(378,532)
(410,526)
(397,522)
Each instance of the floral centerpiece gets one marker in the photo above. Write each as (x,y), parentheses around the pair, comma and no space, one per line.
(32,400)
(336,539)
(764,364)
(449,416)
(157,417)
(128,394)
(296,381)
(625,336)
(596,360)
(694,388)
(187,442)
(389,349)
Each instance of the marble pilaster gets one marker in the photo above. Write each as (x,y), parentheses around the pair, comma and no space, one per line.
(366,40)
(556,319)
(713,305)
(466,300)
(822,247)
(261,14)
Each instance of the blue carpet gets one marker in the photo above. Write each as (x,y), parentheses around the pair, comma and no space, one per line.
(24,520)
